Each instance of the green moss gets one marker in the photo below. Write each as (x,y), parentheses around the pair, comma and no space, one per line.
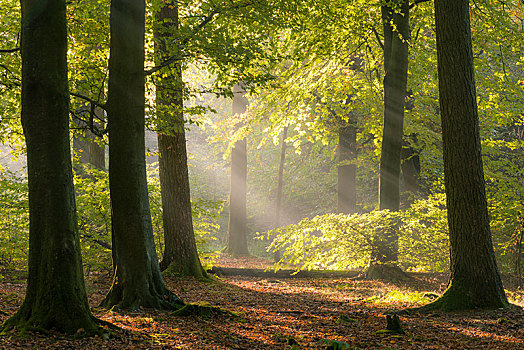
(19,326)
(193,269)
(201,309)
(346,319)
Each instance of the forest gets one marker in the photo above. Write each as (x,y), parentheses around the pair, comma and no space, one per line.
(261,174)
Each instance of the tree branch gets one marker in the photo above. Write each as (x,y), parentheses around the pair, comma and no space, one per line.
(92,114)
(207,19)
(89,124)
(195,30)
(88,99)
(98,241)
(11,79)
(9,50)
(377,36)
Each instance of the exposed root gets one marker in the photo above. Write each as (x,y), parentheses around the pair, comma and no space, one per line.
(453,299)
(19,326)
(117,300)
(108,325)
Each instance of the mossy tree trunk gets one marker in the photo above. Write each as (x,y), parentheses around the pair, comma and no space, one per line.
(395,18)
(236,244)
(137,281)
(180,252)
(347,169)
(55,296)
(474,280)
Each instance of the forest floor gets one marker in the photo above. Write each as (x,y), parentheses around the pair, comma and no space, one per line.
(286,313)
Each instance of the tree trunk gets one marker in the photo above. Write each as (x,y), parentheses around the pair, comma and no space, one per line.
(410,170)
(138,281)
(236,244)
(396,34)
(278,197)
(55,296)
(347,169)
(91,152)
(180,252)
(474,280)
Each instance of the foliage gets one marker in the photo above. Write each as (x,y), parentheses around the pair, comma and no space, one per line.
(338,241)
(10,61)
(400,297)
(423,239)
(94,219)
(14,217)
(334,241)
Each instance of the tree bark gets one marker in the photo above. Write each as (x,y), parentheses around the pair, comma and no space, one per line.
(137,281)
(347,153)
(55,296)
(180,252)
(475,280)
(410,170)
(395,20)
(91,152)
(236,244)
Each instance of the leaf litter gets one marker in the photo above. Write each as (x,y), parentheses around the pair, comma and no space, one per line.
(292,313)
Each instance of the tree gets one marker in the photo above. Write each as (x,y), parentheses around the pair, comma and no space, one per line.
(91,151)
(280,185)
(138,281)
(395,19)
(207,37)
(347,169)
(180,253)
(55,296)
(474,280)
(236,232)
(410,167)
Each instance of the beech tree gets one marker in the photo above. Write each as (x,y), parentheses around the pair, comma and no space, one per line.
(90,151)
(347,169)
(280,185)
(236,233)
(180,252)
(395,19)
(475,280)
(55,296)
(138,281)
(204,38)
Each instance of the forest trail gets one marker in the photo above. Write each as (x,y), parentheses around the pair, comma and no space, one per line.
(297,313)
